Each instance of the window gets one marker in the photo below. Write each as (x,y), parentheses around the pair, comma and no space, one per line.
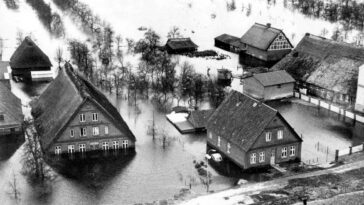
(105,146)
(82,147)
(228,147)
(280,134)
(218,141)
(253,158)
(125,144)
(71,149)
(1,117)
(58,150)
(83,131)
(82,118)
(115,144)
(72,133)
(106,130)
(261,157)
(95,131)
(95,117)
(268,136)
(292,151)
(284,152)
(210,135)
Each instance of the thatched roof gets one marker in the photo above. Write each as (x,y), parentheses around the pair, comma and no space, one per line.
(61,101)
(273,78)
(260,36)
(29,55)
(326,63)
(10,106)
(180,43)
(241,119)
(199,118)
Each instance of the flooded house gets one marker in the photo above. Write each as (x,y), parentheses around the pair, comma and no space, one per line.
(29,62)
(11,115)
(251,134)
(73,116)
(199,118)
(264,43)
(228,42)
(359,101)
(325,68)
(180,46)
(269,86)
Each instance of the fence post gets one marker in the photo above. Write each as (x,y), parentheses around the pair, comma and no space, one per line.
(336,155)
(350,150)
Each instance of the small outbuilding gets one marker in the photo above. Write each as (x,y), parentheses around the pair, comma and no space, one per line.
(4,75)
(29,58)
(269,86)
(180,46)
(228,42)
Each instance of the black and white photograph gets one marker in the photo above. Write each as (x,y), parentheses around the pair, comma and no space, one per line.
(181,102)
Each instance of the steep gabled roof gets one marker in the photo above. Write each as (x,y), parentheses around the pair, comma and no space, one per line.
(199,118)
(10,105)
(274,78)
(241,119)
(326,63)
(260,36)
(29,55)
(61,101)
(181,43)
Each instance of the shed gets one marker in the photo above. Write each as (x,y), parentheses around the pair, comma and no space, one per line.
(228,42)
(180,46)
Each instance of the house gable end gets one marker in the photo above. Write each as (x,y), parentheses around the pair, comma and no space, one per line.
(281,42)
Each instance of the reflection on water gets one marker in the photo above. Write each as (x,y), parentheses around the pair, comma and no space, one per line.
(9,144)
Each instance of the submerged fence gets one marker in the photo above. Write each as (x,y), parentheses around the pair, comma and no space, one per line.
(348,151)
(331,107)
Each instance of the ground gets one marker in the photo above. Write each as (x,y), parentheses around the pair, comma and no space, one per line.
(318,185)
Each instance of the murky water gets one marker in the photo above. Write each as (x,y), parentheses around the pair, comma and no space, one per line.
(154,172)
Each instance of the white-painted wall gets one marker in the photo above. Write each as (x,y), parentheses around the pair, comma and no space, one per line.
(359,104)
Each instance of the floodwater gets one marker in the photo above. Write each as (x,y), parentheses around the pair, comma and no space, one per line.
(155,172)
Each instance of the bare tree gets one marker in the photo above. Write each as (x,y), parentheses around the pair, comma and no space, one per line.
(14,192)
(19,37)
(59,56)
(174,33)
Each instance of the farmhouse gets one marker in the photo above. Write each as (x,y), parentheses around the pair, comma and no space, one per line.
(325,68)
(74,116)
(228,43)
(180,46)
(28,61)
(11,115)
(269,86)
(251,134)
(265,43)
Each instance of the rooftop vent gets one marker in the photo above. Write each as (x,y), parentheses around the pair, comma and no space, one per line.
(268,25)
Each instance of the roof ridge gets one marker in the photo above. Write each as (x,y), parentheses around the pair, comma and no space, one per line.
(255,100)
(265,25)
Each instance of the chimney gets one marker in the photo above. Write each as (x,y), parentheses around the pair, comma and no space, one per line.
(268,25)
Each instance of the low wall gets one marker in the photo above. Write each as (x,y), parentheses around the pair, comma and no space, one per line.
(328,106)
(348,151)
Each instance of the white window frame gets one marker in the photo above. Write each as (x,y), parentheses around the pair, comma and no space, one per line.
(125,144)
(58,150)
(105,146)
(253,158)
(72,133)
(268,136)
(71,149)
(280,134)
(228,147)
(262,157)
(82,117)
(95,117)
(115,145)
(82,147)
(106,130)
(95,131)
(218,141)
(292,151)
(284,152)
(83,132)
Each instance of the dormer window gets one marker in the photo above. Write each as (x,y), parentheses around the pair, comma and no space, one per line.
(82,118)
(268,136)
